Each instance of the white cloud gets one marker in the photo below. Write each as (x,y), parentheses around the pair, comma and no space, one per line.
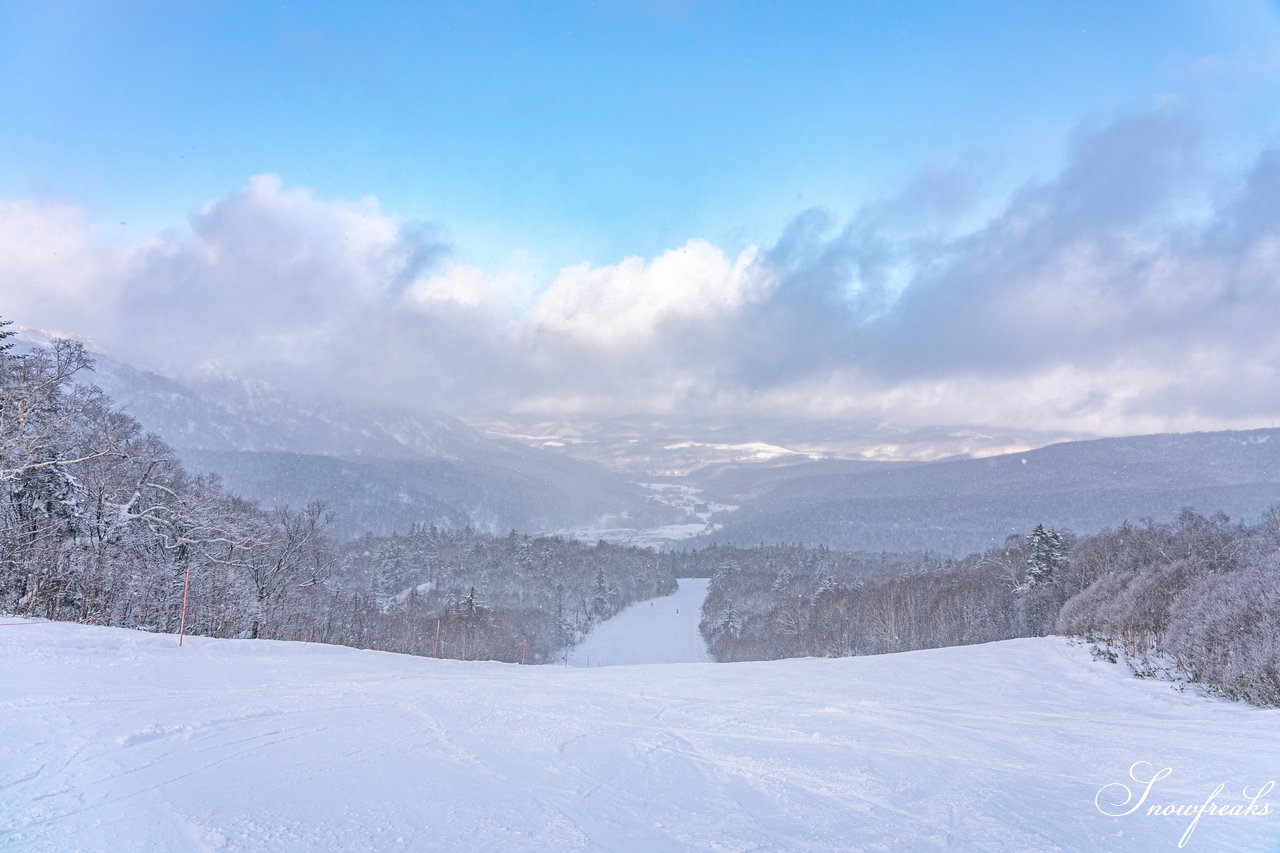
(53,273)
(1083,305)
(632,303)
(462,286)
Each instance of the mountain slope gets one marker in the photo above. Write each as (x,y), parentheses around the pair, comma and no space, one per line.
(380,471)
(964,505)
(121,740)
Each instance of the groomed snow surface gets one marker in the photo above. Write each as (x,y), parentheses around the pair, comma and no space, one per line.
(661,630)
(117,740)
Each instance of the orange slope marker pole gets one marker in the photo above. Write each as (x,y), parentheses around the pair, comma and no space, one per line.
(186,587)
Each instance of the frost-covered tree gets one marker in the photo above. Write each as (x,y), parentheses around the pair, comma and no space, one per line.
(42,410)
(600,604)
(6,339)
(782,581)
(391,575)
(470,603)
(563,627)
(1046,557)
(825,583)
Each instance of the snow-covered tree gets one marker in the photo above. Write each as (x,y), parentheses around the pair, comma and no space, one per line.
(730,622)
(6,339)
(600,604)
(824,583)
(1046,557)
(782,582)
(42,410)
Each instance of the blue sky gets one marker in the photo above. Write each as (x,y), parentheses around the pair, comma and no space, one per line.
(580,131)
(745,207)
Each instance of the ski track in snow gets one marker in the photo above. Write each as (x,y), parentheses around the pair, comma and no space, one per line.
(116,740)
(660,630)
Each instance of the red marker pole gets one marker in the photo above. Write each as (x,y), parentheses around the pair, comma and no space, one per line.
(182,623)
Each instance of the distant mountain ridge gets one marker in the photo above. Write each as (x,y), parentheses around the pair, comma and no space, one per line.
(384,471)
(963,505)
(225,414)
(381,471)
(677,446)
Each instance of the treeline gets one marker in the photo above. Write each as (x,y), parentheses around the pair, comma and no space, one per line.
(1196,599)
(770,602)
(99,522)
(468,595)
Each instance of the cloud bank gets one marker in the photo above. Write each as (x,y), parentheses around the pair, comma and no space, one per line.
(1134,291)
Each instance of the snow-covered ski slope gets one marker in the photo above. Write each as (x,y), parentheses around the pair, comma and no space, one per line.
(116,740)
(661,630)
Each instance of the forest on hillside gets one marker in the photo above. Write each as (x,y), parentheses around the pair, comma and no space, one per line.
(1196,600)
(101,523)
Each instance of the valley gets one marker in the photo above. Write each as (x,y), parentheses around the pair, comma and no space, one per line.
(852,485)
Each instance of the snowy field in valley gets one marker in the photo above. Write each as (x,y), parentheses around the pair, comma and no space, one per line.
(117,740)
(662,630)
(698,512)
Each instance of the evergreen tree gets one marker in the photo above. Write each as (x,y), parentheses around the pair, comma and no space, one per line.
(730,622)
(1047,556)
(5,343)
(391,576)
(564,630)
(723,572)
(470,604)
(826,583)
(600,605)
(782,581)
